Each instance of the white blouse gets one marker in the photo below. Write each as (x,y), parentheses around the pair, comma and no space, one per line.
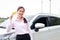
(20,26)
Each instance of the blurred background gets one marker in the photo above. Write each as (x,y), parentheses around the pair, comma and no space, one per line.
(32,7)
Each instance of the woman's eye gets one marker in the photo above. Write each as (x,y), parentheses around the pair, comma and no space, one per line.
(21,11)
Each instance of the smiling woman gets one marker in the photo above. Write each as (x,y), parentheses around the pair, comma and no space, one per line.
(20,24)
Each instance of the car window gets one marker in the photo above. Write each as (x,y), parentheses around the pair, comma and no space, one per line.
(54,21)
(47,20)
(39,20)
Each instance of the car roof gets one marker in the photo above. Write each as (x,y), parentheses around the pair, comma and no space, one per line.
(44,15)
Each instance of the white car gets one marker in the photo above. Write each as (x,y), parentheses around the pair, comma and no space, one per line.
(43,27)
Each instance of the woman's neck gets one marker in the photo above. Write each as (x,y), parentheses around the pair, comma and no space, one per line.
(19,18)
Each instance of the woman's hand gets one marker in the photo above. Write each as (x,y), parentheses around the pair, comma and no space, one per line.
(11,17)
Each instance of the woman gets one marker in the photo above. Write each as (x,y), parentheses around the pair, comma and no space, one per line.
(20,25)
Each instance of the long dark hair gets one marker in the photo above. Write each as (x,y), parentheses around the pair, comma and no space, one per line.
(20,8)
(25,21)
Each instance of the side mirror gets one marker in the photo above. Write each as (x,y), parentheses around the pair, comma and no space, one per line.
(38,26)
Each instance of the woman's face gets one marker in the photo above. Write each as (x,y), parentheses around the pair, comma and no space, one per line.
(20,12)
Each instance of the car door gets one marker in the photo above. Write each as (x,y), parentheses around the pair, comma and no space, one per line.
(38,19)
(51,31)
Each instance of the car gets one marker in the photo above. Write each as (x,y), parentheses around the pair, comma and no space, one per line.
(43,27)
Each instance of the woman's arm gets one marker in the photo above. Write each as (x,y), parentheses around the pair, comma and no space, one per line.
(10,24)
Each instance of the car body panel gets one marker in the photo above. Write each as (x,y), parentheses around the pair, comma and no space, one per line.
(49,33)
